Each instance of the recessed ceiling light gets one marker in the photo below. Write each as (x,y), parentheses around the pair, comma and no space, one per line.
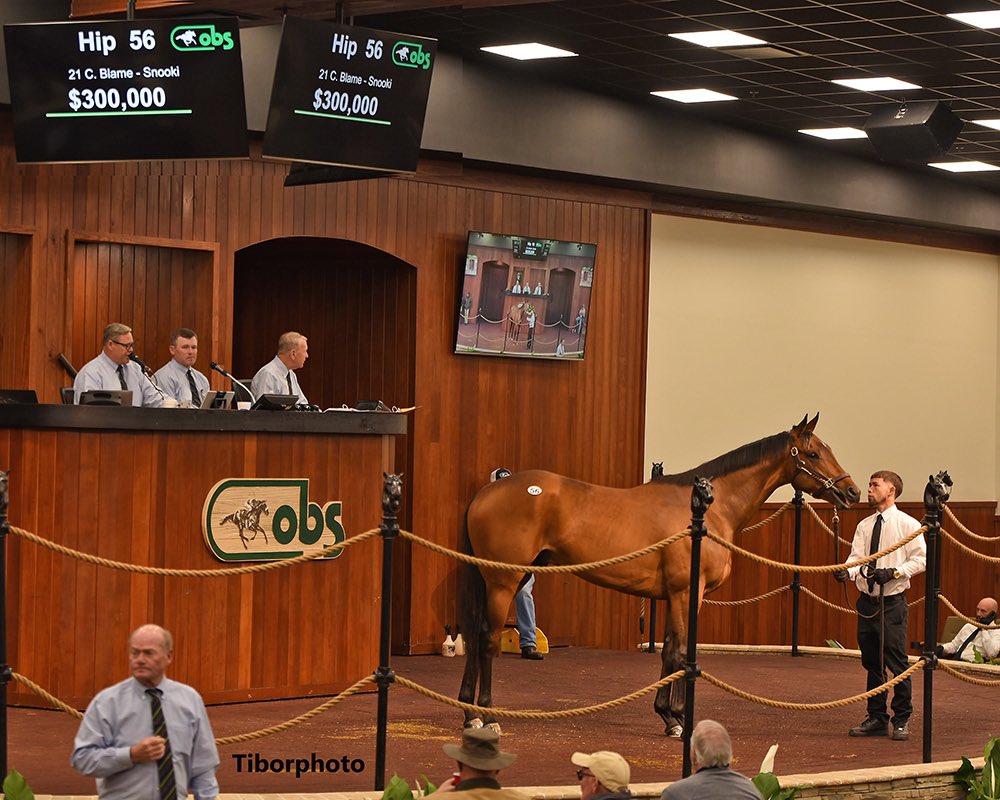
(835,133)
(528,51)
(964,166)
(717,38)
(694,96)
(987,123)
(876,84)
(978,19)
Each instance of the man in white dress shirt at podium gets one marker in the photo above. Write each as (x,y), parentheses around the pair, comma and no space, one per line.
(112,370)
(178,378)
(278,375)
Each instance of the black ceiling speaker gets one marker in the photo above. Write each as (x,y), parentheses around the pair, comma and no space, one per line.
(918,131)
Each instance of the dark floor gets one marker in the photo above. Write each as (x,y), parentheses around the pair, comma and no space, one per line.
(965,715)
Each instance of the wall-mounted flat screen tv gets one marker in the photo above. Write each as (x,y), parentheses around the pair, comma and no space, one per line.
(525,296)
(127,90)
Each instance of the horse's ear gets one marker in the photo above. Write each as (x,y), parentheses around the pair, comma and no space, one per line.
(797,429)
(812,423)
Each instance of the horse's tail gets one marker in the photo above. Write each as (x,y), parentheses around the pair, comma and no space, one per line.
(472,598)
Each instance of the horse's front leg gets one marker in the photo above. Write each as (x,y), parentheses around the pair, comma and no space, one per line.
(670,700)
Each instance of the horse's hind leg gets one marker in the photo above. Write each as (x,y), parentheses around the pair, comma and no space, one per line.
(498,600)
(467,694)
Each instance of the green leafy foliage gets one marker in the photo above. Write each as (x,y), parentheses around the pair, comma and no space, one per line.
(15,787)
(981,659)
(986,787)
(769,788)
(399,789)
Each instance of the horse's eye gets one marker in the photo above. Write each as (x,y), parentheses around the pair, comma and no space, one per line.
(813,454)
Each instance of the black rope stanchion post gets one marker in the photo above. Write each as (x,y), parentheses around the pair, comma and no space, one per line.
(392,493)
(796,582)
(701,499)
(935,496)
(5,674)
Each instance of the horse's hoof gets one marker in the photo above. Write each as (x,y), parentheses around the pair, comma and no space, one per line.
(475,722)
(495,727)
(675,731)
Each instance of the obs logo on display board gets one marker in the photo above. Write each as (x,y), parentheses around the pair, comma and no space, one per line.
(267,519)
(189,38)
(410,54)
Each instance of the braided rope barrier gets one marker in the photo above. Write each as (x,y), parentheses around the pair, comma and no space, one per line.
(748,600)
(991,627)
(764,701)
(505,567)
(827,603)
(51,698)
(966,531)
(810,568)
(769,520)
(241,737)
(963,677)
(569,712)
(301,718)
(968,550)
(190,573)
(824,526)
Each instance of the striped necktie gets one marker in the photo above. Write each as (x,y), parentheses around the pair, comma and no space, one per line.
(121,377)
(165,765)
(288,377)
(195,394)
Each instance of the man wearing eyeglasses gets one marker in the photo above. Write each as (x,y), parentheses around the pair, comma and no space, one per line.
(112,370)
(604,775)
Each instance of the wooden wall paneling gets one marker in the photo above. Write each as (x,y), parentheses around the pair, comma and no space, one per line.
(16,344)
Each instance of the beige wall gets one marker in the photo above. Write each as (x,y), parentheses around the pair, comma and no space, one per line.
(896,345)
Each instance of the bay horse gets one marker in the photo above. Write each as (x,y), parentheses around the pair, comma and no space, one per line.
(515,318)
(537,517)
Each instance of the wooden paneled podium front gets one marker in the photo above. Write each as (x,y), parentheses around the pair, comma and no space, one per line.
(130,485)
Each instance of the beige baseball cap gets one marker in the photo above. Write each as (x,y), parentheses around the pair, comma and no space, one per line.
(610,769)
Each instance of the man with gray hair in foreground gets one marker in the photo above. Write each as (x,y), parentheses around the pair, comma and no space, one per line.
(711,752)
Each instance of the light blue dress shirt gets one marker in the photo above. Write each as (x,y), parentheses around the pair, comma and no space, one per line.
(172,379)
(120,716)
(102,373)
(272,379)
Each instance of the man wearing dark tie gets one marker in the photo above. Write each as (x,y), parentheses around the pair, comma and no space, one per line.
(178,378)
(148,736)
(113,370)
(278,375)
(881,606)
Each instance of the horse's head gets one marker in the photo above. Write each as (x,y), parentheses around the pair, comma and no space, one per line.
(657,470)
(701,496)
(392,492)
(938,489)
(817,470)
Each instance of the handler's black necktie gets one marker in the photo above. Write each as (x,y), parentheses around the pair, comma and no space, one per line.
(195,394)
(121,377)
(288,377)
(876,535)
(165,765)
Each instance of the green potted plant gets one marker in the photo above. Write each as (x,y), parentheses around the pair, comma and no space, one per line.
(987,787)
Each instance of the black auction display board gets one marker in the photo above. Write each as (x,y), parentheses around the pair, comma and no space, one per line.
(349,96)
(127,90)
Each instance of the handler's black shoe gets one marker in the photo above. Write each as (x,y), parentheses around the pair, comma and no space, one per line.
(871,727)
(900,731)
(531,653)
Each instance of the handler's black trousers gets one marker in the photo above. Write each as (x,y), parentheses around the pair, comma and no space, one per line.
(871,630)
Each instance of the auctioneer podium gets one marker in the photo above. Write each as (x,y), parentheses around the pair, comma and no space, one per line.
(142,486)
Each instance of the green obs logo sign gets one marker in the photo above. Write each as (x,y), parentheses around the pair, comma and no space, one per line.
(266,519)
(188,38)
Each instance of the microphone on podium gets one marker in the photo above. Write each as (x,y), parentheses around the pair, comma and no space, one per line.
(222,371)
(147,372)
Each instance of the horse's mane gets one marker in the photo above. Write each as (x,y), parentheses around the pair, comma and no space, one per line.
(745,456)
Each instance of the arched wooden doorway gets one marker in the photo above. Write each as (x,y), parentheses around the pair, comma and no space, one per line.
(357,306)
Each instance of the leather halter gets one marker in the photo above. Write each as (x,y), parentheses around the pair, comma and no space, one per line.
(824,482)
